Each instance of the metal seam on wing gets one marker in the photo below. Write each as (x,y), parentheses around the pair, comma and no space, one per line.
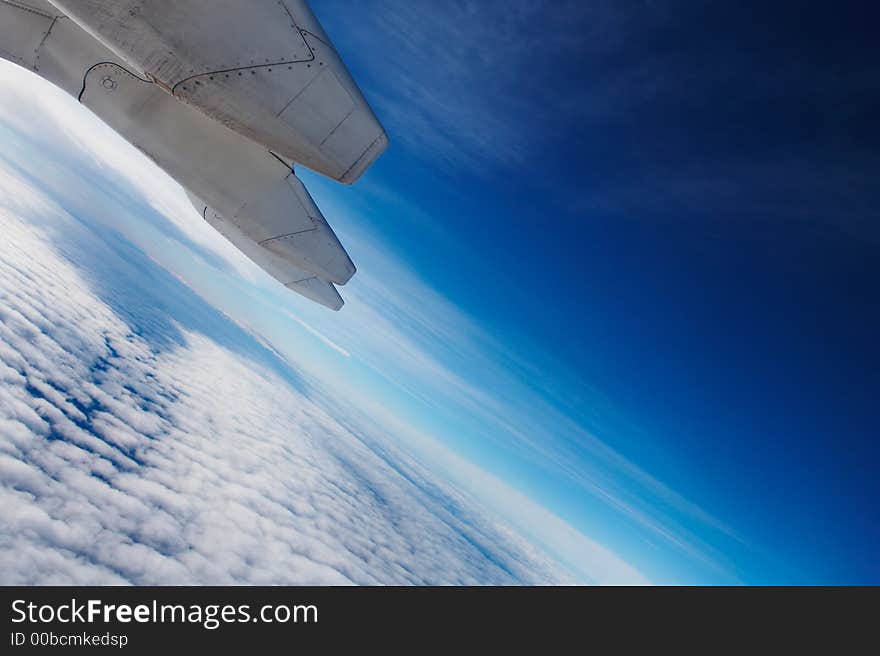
(289,235)
(28,8)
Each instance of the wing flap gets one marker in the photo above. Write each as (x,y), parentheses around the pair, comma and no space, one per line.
(319,291)
(296,279)
(286,221)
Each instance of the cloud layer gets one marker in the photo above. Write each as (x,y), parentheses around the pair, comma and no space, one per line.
(139,448)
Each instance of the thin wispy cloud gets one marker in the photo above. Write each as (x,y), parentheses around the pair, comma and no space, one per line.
(465,378)
(473,83)
(325,340)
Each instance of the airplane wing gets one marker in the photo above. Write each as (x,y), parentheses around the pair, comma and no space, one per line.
(239,176)
(299,280)
(265,68)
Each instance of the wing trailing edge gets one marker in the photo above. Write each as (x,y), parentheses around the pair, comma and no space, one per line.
(298,280)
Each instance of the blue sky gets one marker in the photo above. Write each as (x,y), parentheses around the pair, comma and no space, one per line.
(665,216)
(616,279)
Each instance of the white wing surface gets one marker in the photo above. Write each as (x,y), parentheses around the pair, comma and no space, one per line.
(265,68)
(241,181)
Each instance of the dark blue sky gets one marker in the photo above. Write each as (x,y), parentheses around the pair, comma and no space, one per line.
(679,203)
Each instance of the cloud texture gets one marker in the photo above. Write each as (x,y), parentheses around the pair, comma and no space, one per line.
(135,448)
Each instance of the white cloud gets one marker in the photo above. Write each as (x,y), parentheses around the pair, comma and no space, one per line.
(170,458)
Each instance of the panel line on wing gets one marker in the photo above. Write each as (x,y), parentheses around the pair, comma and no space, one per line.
(28,8)
(289,235)
(301,32)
